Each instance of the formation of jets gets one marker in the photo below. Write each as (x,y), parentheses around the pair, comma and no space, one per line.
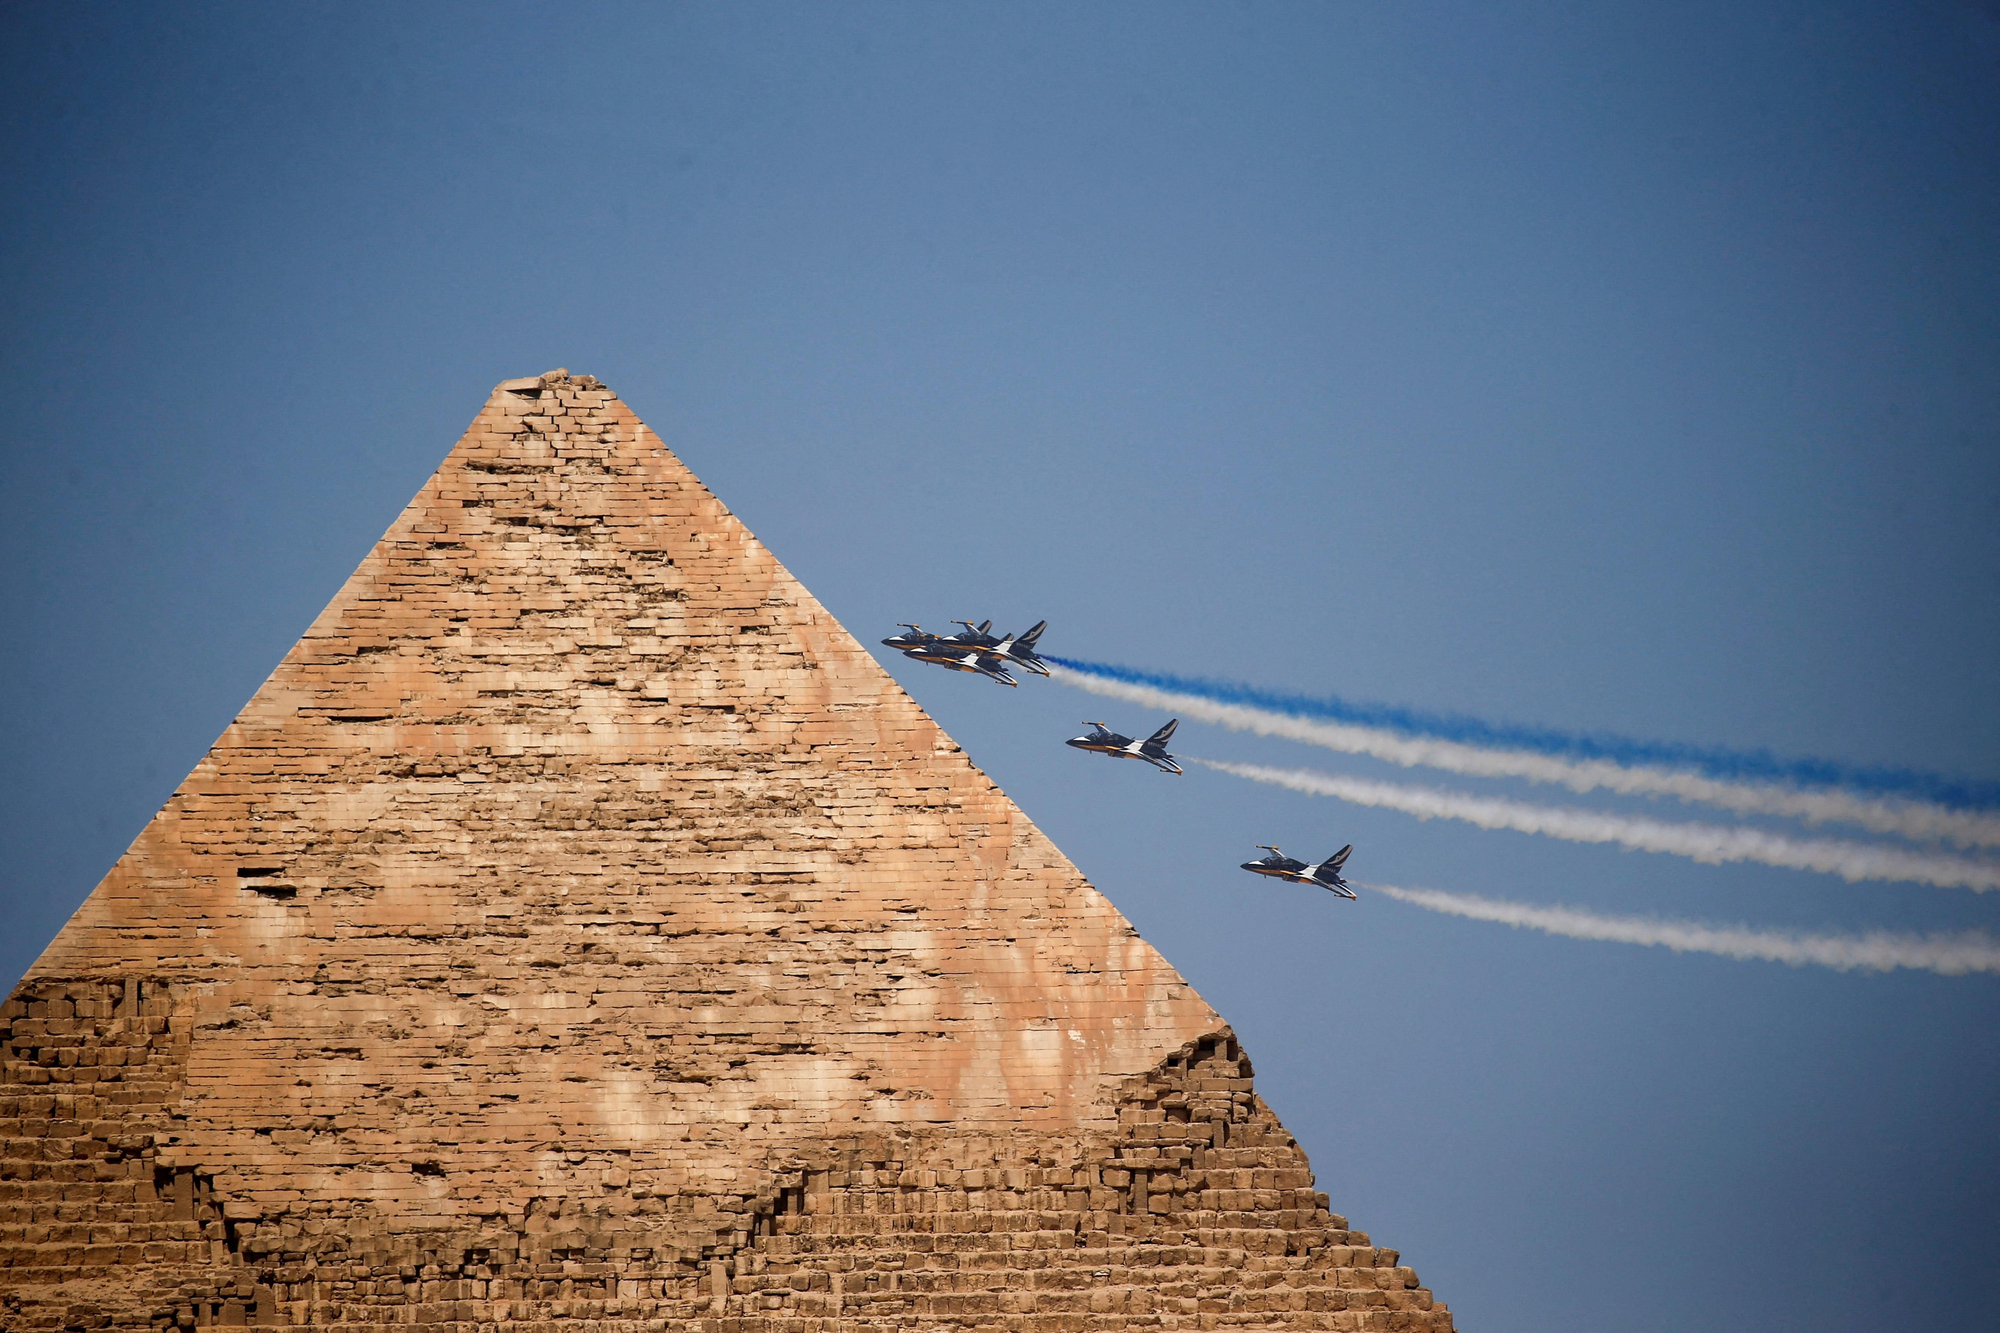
(977,649)
(974,648)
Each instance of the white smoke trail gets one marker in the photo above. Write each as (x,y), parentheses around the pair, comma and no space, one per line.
(1949,955)
(1909,819)
(1701,842)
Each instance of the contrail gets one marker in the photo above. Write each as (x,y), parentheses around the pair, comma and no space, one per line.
(1702,842)
(1332,724)
(1950,955)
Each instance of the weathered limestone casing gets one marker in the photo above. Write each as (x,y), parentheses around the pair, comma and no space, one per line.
(579,924)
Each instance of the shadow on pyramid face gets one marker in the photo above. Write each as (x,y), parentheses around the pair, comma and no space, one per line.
(579,923)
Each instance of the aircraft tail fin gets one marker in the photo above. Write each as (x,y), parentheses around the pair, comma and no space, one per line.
(1338,859)
(1021,649)
(1158,740)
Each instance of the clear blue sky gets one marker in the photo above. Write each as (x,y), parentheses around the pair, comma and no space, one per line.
(1617,366)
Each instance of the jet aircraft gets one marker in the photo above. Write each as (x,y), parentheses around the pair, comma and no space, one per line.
(944,653)
(1101,740)
(918,637)
(1325,875)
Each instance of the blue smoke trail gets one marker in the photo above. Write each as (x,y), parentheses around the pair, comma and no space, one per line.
(1714,761)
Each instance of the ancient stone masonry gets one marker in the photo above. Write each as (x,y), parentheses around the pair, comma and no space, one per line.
(580,929)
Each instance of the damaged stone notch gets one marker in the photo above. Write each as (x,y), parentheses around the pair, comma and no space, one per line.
(268,881)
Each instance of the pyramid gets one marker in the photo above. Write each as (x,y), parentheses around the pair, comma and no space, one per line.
(580,925)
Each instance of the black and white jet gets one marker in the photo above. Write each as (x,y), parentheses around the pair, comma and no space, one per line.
(918,637)
(1101,740)
(945,653)
(1325,875)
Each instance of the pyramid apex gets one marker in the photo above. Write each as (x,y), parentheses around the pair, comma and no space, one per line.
(548,378)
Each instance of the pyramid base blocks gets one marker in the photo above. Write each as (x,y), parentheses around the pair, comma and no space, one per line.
(1196,1212)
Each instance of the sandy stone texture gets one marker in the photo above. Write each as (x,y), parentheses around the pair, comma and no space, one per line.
(580,929)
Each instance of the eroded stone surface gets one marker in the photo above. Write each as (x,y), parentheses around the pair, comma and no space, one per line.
(580,925)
